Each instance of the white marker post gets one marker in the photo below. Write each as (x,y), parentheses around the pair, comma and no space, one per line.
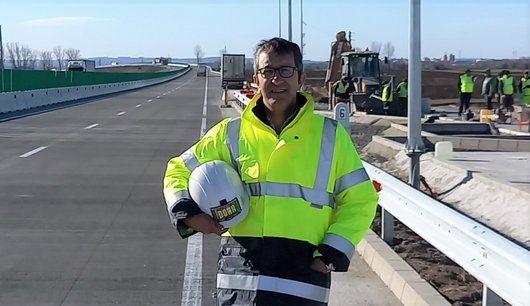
(342,115)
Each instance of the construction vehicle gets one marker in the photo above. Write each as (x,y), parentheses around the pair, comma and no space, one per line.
(362,70)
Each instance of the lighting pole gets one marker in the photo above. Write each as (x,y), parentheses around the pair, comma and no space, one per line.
(290,25)
(302,27)
(415,146)
(279,18)
(1,50)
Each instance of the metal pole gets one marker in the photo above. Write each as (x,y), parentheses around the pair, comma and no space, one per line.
(1,50)
(302,27)
(290,25)
(279,18)
(415,146)
(490,298)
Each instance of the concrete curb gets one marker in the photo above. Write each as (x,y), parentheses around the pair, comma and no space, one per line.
(400,277)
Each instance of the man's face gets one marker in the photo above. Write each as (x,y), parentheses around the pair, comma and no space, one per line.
(277,91)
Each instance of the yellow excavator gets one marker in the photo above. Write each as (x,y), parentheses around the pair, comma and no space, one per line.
(361,69)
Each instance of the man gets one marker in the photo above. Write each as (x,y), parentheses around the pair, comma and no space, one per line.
(507,90)
(343,88)
(524,88)
(403,92)
(386,96)
(466,82)
(489,88)
(499,77)
(311,199)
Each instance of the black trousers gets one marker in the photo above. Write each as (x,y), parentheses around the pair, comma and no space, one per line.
(465,98)
(403,106)
(489,105)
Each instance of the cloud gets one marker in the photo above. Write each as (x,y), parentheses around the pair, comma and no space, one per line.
(60,21)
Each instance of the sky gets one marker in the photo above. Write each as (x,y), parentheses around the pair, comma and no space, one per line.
(152,28)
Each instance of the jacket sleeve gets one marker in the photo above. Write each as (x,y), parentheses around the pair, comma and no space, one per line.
(356,200)
(179,203)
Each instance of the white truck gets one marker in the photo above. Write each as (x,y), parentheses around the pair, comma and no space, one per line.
(233,70)
(81,65)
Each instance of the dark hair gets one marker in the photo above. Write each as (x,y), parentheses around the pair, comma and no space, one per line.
(279,46)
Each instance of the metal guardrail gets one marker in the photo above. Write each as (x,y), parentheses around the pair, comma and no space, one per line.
(501,265)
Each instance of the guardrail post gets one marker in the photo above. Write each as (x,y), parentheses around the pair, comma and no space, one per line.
(387,227)
(490,298)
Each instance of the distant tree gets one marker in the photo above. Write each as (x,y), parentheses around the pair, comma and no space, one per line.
(46,60)
(33,58)
(26,57)
(198,53)
(13,53)
(388,49)
(59,56)
(375,46)
(72,54)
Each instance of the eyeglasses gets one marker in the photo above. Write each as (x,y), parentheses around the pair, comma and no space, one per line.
(284,72)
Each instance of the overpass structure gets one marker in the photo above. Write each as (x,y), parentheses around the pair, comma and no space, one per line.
(83,221)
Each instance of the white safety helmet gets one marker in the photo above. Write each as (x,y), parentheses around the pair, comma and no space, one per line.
(218,190)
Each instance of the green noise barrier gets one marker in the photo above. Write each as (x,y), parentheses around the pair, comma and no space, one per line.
(22,80)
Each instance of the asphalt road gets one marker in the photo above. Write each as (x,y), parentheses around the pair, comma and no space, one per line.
(82,216)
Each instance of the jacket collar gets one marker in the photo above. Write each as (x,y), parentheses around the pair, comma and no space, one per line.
(256,114)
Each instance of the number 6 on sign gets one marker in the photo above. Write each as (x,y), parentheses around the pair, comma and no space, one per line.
(341,115)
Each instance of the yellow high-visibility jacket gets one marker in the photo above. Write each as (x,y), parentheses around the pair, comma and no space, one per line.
(310,196)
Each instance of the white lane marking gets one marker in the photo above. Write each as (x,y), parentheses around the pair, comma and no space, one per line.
(120,113)
(192,284)
(203,126)
(138,105)
(91,126)
(150,100)
(37,150)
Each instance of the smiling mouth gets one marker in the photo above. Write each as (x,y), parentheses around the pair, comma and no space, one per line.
(278,91)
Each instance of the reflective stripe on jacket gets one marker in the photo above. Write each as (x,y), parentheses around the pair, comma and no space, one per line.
(310,196)
(466,83)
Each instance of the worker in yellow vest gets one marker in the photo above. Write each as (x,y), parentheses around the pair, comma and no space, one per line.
(508,89)
(386,96)
(466,84)
(311,200)
(403,91)
(525,88)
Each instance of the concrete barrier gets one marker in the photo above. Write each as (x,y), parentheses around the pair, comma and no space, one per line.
(23,100)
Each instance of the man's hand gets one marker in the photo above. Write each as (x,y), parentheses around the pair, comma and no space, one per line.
(205,224)
(319,266)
